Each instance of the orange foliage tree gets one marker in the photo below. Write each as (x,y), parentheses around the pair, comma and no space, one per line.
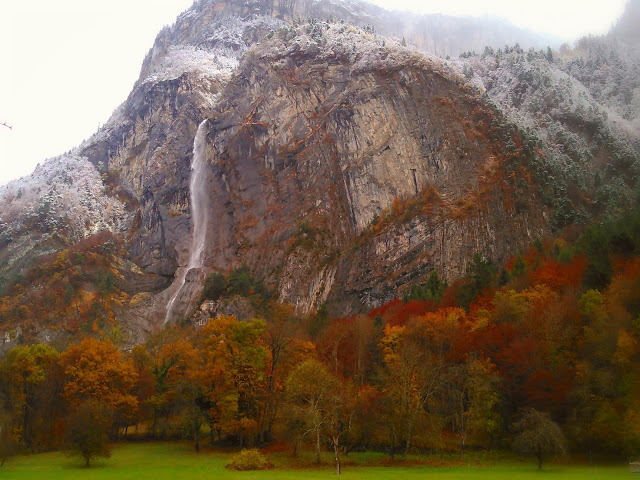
(95,370)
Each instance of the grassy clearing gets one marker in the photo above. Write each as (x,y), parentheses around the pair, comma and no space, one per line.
(159,461)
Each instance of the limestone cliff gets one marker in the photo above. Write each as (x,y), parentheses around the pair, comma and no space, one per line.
(311,144)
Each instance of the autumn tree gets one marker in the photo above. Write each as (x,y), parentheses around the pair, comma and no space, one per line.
(310,388)
(538,434)
(23,371)
(236,358)
(341,412)
(349,345)
(604,413)
(279,343)
(88,430)
(325,404)
(95,370)
(414,370)
(186,384)
(472,397)
(145,386)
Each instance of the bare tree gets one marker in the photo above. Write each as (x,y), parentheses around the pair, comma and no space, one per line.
(538,434)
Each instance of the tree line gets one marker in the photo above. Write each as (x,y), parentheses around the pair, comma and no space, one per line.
(540,355)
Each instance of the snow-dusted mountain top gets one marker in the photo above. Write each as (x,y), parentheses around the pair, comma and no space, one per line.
(234,24)
(212,44)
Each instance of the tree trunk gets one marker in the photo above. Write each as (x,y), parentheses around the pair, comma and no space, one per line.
(155,423)
(407,446)
(318,445)
(196,436)
(539,459)
(25,424)
(263,424)
(86,461)
(336,450)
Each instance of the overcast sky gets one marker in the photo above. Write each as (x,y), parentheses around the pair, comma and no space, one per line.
(67,64)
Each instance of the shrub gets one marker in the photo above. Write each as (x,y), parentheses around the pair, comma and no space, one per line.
(248,460)
(215,286)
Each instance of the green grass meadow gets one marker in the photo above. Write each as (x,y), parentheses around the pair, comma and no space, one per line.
(159,461)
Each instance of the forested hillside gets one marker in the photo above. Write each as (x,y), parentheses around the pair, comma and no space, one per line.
(556,330)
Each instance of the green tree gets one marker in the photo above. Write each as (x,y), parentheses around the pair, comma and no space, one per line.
(480,273)
(537,434)
(215,285)
(519,267)
(88,431)
(431,290)
(596,246)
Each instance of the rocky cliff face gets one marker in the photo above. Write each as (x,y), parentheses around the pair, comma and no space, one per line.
(342,165)
(311,144)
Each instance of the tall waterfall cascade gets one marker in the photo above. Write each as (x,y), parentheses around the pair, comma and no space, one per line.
(199,215)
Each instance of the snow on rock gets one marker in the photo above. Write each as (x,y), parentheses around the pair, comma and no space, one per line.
(65,195)
(211,47)
(329,41)
(180,60)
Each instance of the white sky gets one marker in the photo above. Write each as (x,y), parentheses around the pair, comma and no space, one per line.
(67,64)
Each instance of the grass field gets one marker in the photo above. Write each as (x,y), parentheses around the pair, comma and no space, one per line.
(170,461)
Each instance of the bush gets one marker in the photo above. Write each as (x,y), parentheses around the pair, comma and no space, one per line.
(238,282)
(215,286)
(248,460)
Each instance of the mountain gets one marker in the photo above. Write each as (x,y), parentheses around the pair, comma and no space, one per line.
(337,164)
(626,28)
(438,34)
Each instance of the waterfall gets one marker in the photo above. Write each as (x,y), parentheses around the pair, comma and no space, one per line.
(199,214)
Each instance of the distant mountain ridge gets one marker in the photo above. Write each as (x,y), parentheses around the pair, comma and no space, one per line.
(627,27)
